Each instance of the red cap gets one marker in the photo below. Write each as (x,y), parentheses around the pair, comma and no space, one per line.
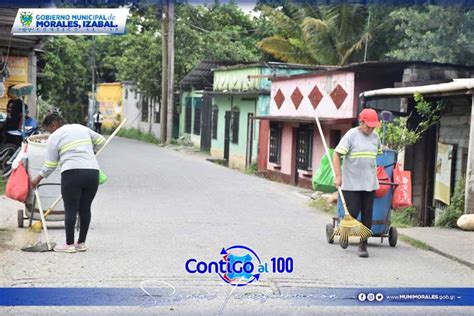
(369,117)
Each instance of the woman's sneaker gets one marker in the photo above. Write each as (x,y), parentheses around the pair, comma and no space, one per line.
(81,247)
(65,248)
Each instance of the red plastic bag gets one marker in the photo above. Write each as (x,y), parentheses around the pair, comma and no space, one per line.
(382,176)
(18,184)
(402,193)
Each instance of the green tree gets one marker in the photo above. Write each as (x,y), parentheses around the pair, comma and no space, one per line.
(66,75)
(315,35)
(434,33)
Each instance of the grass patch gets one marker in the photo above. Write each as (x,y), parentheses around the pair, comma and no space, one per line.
(404,218)
(252,169)
(323,205)
(3,183)
(133,133)
(413,242)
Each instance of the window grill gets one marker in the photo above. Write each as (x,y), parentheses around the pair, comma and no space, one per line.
(145,109)
(197,117)
(304,149)
(275,143)
(235,121)
(215,119)
(188,114)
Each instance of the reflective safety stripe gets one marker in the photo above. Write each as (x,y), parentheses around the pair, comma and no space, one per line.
(363,155)
(75,144)
(99,141)
(51,164)
(341,150)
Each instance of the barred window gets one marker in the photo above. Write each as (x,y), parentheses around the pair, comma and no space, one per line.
(197,117)
(156,107)
(215,119)
(235,121)
(304,148)
(187,115)
(145,109)
(275,143)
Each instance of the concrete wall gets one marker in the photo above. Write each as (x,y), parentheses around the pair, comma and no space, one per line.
(132,110)
(317,154)
(194,94)
(469,206)
(237,152)
(326,84)
(454,130)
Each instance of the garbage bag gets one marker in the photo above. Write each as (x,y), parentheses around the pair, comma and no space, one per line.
(323,179)
(18,184)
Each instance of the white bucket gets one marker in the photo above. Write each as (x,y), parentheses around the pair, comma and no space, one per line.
(50,188)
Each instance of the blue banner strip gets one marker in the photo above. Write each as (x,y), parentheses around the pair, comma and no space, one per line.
(306,296)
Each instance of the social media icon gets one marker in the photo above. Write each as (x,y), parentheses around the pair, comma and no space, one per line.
(371,297)
(379,297)
(362,297)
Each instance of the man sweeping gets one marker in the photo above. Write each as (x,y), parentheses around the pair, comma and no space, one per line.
(358,180)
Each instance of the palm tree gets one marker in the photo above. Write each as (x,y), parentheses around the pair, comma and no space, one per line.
(328,35)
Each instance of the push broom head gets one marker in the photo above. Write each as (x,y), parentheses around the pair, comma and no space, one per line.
(349,226)
(36,227)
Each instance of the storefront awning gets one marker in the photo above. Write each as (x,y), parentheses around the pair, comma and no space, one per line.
(456,87)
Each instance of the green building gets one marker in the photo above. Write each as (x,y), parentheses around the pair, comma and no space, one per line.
(220,120)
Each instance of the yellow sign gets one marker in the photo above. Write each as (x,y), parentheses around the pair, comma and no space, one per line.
(109,101)
(18,69)
(443,173)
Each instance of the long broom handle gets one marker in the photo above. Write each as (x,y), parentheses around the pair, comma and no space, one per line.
(43,220)
(330,163)
(98,152)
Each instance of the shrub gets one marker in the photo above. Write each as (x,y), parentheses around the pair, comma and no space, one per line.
(451,214)
(405,217)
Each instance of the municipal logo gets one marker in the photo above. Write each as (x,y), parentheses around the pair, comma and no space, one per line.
(239,265)
(26,18)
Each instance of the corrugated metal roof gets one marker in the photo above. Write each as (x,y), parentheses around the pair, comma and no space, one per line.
(365,67)
(23,44)
(201,76)
(273,65)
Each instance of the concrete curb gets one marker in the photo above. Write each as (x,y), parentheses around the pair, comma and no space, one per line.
(440,252)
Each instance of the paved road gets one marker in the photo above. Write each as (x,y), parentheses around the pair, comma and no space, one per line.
(161,207)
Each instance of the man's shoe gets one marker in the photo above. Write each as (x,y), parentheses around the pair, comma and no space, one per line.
(363,253)
(81,247)
(65,248)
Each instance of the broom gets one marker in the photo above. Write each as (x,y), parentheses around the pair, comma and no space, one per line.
(348,226)
(38,225)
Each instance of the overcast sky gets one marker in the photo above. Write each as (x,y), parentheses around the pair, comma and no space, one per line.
(246,5)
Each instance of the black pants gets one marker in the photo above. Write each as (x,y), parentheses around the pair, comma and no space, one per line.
(78,187)
(98,127)
(360,202)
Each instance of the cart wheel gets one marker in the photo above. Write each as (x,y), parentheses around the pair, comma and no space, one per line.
(329,233)
(392,236)
(20,218)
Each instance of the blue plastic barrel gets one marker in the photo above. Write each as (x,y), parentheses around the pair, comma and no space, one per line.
(382,205)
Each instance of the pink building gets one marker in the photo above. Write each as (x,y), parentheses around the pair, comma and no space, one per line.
(293,149)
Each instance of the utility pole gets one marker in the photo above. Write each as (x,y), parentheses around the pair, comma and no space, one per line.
(92,106)
(170,70)
(164,71)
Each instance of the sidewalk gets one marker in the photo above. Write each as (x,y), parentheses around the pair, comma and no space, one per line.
(452,243)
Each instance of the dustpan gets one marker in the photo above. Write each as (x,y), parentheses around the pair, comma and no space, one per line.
(40,246)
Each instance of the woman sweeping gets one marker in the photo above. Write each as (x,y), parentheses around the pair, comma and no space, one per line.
(72,147)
